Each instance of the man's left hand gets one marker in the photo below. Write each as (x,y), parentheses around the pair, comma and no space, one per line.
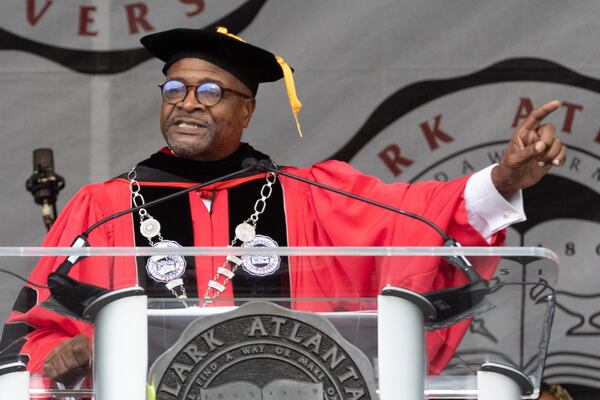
(532,151)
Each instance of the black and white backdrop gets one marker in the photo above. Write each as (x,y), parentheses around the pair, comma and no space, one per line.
(401,89)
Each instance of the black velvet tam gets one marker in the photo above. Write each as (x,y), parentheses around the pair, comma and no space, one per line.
(250,64)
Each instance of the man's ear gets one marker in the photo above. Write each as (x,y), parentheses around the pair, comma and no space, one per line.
(249,106)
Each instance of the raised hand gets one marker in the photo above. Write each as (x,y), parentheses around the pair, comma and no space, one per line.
(532,151)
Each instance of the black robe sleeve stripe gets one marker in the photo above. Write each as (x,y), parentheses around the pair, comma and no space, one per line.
(26,300)
(13,337)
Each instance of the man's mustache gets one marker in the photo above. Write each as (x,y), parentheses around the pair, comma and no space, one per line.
(177,119)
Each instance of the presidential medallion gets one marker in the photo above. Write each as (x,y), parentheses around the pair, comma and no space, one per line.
(261,265)
(166,268)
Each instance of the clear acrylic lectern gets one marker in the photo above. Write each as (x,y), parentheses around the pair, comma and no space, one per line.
(413,334)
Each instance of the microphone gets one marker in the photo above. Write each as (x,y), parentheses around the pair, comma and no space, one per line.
(453,304)
(44,184)
(75,295)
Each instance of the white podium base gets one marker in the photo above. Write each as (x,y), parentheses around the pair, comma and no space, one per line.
(15,386)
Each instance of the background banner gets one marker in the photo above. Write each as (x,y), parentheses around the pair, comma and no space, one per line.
(402,90)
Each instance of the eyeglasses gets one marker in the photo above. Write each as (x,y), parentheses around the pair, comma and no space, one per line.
(207,93)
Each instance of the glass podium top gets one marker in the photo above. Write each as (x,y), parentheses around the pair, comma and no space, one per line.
(508,322)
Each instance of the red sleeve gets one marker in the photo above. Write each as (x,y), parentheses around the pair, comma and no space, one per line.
(42,328)
(321,218)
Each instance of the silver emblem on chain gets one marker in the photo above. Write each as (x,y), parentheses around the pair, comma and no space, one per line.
(261,265)
(150,228)
(165,269)
(245,232)
(169,269)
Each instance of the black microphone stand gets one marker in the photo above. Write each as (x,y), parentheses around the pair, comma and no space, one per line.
(45,185)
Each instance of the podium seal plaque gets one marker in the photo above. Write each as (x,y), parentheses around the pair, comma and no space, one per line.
(262,351)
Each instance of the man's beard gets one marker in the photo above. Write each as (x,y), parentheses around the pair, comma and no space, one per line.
(191,149)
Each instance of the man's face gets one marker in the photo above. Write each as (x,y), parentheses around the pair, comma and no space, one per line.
(195,131)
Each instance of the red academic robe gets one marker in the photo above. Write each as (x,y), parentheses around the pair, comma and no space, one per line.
(314,217)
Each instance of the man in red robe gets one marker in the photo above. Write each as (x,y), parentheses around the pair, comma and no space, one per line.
(208,100)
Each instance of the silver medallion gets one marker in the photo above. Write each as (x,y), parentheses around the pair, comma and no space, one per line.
(245,232)
(166,268)
(261,265)
(150,228)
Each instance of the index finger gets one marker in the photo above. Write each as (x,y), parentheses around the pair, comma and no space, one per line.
(537,115)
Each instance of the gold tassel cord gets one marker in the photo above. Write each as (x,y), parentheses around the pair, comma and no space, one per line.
(288,77)
(224,31)
(291,91)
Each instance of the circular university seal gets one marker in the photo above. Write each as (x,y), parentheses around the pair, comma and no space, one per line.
(262,351)
(261,265)
(166,268)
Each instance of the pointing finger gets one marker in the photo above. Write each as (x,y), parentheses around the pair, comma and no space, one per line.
(537,115)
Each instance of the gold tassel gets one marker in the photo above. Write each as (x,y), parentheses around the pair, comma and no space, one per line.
(288,77)
(223,30)
(291,91)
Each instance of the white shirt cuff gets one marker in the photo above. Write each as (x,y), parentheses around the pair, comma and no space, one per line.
(487,210)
